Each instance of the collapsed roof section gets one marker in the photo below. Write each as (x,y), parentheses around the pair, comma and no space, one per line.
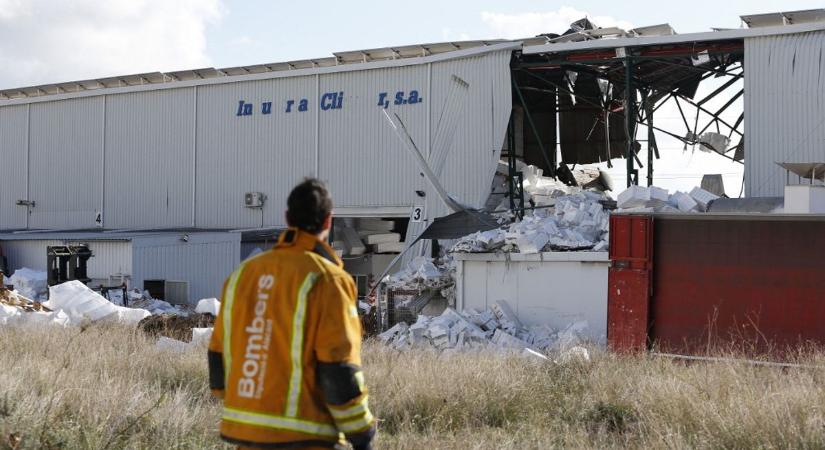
(602,86)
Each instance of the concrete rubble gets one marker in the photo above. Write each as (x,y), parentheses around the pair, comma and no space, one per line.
(655,199)
(576,221)
(422,273)
(495,328)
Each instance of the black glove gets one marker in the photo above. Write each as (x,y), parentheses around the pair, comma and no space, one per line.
(362,441)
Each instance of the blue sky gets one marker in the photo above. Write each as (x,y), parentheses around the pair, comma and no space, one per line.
(256,31)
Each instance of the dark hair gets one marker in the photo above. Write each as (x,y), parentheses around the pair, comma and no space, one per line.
(308,205)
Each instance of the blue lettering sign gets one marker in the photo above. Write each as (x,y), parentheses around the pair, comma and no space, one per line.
(266,108)
(303,105)
(244,109)
(332,100)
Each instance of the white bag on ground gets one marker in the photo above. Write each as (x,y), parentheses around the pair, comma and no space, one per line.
(81,303)
(208,306)
(29,283)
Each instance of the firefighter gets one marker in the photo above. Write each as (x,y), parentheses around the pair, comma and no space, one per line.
(285,354)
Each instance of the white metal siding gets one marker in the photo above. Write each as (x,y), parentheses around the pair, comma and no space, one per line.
(13,160)
(476,145)
(110,257)
(149,155)
(66,151)
(361,158)
(257,153)
(182,157)
(204,262)
(784,107)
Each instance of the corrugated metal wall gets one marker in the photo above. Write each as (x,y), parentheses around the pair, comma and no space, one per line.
(204,262)
(184,157)
(150,150)
(14,150)
(66,163)
(784,112)
(360,156)
(482,126)
(110,257)
(266,153)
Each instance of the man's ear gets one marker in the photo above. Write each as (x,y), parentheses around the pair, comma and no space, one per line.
(327,222)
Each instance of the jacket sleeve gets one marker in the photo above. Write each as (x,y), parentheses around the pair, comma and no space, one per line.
(338,354)
(215,353)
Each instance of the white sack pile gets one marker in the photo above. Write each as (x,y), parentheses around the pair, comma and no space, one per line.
(496,328)
(80,304)
(21,311)
(575,222)
(656,199)
(29,283)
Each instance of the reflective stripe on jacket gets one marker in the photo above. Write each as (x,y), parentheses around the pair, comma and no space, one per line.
(289,316)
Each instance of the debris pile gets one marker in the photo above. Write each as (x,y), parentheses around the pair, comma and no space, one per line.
(497,327)
(156,307)
(570,222)
(656,199)
(175,327)
(30,283)
(422,273)
(182,327)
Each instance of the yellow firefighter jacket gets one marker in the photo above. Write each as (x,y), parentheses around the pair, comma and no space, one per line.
(285,353)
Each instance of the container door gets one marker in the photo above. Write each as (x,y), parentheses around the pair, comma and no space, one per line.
(629,282)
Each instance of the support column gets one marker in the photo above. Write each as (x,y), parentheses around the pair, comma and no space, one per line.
(630,120)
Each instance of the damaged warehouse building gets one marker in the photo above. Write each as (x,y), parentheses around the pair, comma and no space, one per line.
(191,169)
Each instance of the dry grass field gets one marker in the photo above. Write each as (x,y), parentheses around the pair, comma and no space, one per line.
(110,388)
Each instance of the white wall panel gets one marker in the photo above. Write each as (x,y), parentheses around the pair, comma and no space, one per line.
(784,108)
(149,156)
(361,158)
(476,144)
(66,152)
(554,289)
(204,262)
(13,159)
(266,153)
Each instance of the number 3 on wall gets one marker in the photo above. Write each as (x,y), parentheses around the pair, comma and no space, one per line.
(418,214)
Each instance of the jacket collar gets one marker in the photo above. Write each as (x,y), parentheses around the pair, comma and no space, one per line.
(301,240)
